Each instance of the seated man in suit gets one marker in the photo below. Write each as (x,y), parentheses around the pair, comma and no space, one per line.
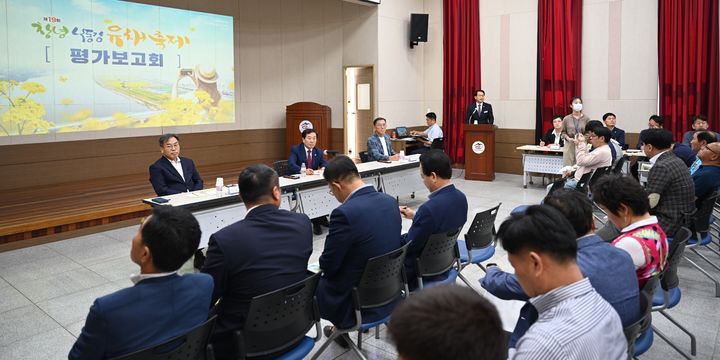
(162,304)
(616,133)
(266,251)
(366,225)
(445,210)
(421,324)
(431,133)
(610,269)
(669,184)
(310,155)
(479,112)
(306,153)
(554,136)
(378,144)
(173,174)
(697,123)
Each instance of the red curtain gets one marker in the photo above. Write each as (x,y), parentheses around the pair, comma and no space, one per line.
(688,63)
(559,50)
(461,69)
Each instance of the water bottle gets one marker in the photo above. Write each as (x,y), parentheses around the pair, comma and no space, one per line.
(219,186)
(303,169)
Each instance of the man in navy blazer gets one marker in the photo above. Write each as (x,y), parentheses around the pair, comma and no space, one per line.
(162,304)
(479,112)
(379,147)
(366,225)
(267,250)
(445,210)
(173,174)
(306,153)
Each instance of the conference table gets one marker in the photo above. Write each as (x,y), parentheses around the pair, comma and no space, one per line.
(308,194)
(540,159)
(548,160)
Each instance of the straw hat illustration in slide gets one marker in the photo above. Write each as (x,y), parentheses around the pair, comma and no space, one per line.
(206,77)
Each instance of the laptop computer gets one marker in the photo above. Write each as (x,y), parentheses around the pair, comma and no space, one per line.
(402,132)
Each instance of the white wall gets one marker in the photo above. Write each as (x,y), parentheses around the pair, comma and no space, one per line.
(508,60)
(409,81)
(619,60)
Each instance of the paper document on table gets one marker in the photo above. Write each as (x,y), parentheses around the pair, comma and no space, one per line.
(314,267)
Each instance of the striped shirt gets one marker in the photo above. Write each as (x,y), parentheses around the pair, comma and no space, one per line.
(574,322)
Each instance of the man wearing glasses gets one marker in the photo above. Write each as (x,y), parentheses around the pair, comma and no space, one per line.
(707,176)
(587,161)
(173,174)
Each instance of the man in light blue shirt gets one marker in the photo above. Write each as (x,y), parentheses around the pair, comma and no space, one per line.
(573,321)
(431,133)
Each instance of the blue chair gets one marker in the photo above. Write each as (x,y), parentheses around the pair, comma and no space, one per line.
(668,294)
(479,243)
(439,260)
(383,281)
(278,321)
(639,344)
(700,226)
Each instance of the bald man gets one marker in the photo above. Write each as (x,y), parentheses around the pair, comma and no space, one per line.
(707,176)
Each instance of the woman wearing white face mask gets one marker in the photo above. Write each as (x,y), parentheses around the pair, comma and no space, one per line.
(572,125)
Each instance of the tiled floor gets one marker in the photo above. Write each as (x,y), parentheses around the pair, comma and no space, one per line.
(46,290)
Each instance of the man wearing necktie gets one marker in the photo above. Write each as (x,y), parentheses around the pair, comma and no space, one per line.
(314,160)
(479,112)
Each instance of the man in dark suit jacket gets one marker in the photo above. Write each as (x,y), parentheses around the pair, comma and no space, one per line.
(161,304)
(367,224)
(299,154)
(445,210)
(266,251)
(615,132)
(479,112)
(173,174)
(670,187)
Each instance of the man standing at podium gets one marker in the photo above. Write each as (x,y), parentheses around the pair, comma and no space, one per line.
(479,112)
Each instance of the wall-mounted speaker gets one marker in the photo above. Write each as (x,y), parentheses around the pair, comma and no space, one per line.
(418,28)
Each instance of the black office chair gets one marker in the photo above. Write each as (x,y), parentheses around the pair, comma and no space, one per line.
(700,226)
(644,341)
(586,182)
(479,243)
(438,143)
(278,321)
(191,345)
(439,256)
(618,168)
(668,294)
(364,156)
(383,281)
(281,167)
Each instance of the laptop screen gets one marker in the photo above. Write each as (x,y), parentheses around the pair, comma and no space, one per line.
(401,131)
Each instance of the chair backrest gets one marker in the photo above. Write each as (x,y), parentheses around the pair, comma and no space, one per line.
(191,345)
(648,289)
(617,169)
(382,281)
(364,156)
(281,167)
(669,278)
(438,143)
(586,183)
(439,254)
(482,230)
(633,330)
(279,319)
(701,222)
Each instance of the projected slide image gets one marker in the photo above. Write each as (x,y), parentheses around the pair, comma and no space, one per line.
(78,65)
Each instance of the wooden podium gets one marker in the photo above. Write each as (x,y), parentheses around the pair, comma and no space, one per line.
(303,115)
(480,152)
